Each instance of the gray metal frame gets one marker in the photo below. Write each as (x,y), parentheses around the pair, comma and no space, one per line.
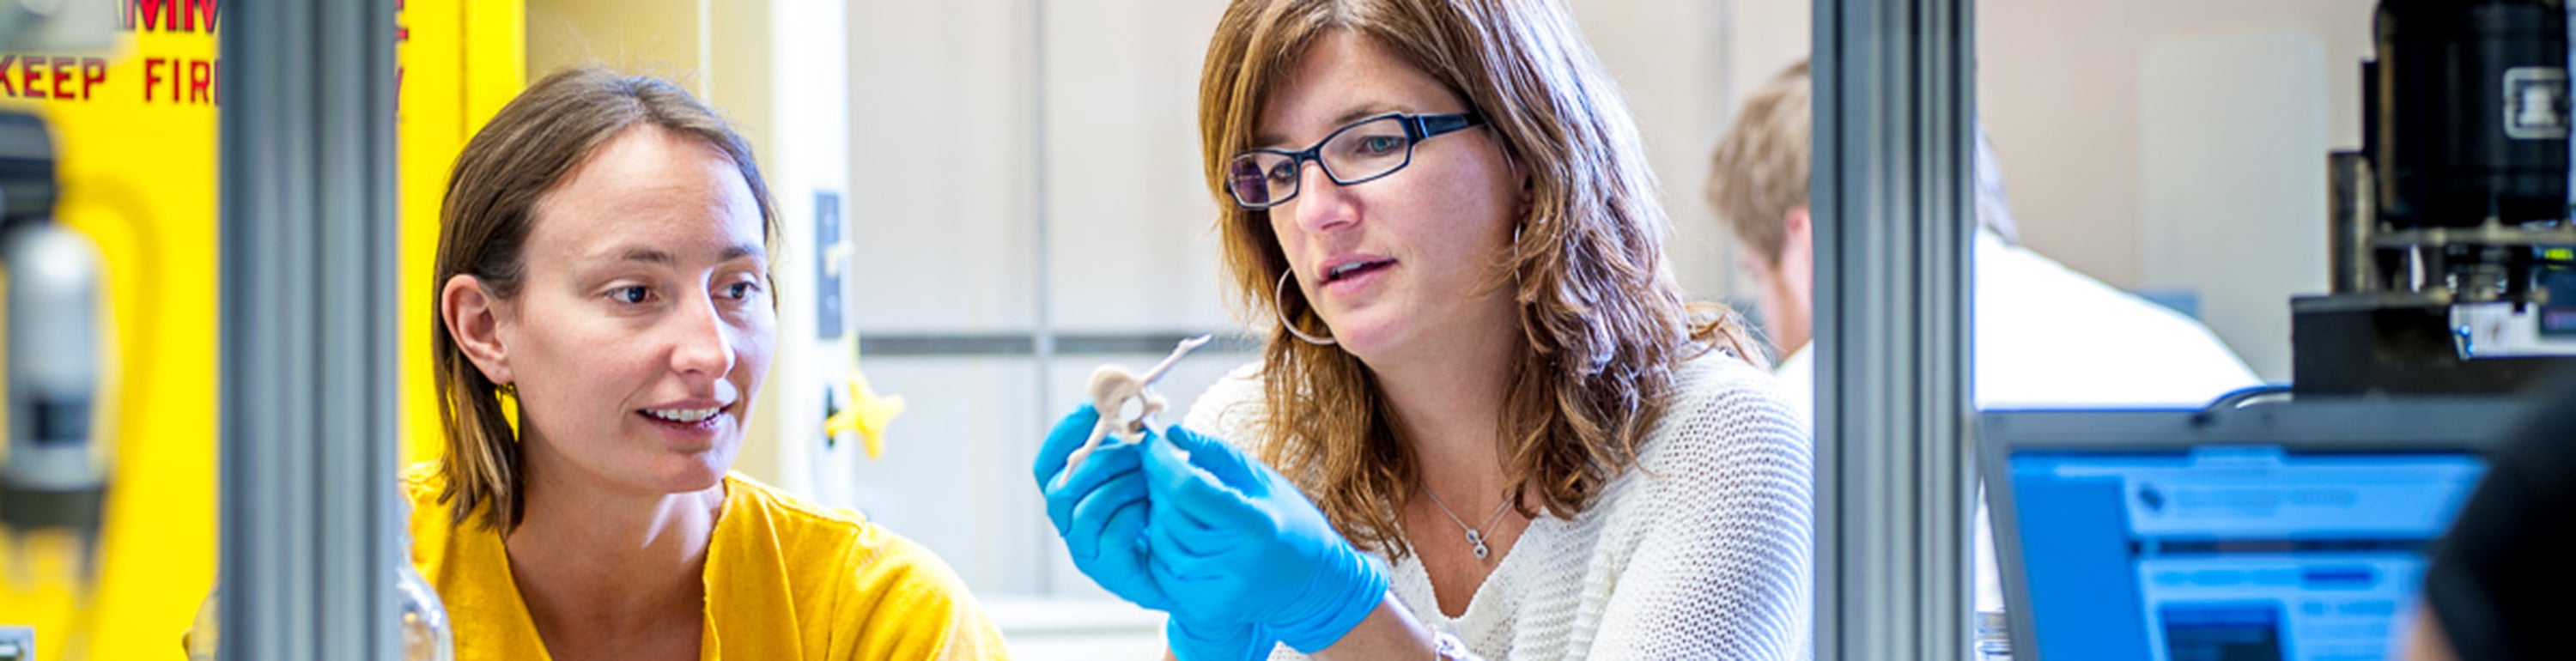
(1894,93)
(1042,338)
(308,344)
(2473,424)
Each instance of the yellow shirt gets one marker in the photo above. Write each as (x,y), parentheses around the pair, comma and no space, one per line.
(785,579)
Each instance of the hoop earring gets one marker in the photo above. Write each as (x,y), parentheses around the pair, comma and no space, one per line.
(1278,305)
(1517,250)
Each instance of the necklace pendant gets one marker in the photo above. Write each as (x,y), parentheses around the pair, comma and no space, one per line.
(1478,539)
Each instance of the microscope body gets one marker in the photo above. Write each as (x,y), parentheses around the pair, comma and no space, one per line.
(2454,261)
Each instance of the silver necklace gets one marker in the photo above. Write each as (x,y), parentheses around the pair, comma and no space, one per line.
(1475,534)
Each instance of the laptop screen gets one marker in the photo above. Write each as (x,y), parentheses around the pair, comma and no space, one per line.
(2228,553)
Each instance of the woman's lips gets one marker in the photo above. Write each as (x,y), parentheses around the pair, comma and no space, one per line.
(1349,281)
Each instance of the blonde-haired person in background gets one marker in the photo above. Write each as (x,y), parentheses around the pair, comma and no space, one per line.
(1497,427)
(2046,336)
(603,268)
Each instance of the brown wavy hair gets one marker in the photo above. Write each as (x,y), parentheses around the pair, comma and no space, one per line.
(492,196)
(1603,323)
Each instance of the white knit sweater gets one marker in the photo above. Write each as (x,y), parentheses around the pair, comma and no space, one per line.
(1700,551)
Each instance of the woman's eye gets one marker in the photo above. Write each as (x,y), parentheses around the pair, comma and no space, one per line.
(1381,144)
(741,290)
(630,294)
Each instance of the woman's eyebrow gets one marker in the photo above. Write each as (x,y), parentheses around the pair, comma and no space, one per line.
(660,257)
(1372,109)
(1363,112)
(648,256)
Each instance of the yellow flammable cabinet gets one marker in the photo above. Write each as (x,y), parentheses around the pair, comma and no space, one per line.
(135,129)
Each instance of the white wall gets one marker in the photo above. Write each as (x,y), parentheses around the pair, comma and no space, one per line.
(2232,180)
(1671,58)
(656,37)
(2178,145)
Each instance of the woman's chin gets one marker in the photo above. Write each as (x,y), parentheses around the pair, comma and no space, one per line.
(687,473)
(1371,341)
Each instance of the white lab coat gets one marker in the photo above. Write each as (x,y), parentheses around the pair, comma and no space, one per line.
(2048,337)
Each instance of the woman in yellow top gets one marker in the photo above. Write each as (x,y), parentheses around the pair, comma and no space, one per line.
(603,266)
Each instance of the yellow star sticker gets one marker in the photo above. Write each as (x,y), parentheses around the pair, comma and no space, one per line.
(868,414)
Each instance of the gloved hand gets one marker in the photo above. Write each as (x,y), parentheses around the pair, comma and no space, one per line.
(1099,508)
(1229,642)
(1234,541)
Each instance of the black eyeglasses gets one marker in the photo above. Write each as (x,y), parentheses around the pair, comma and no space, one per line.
(1359,152)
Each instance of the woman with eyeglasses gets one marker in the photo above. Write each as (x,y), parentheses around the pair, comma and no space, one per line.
(1486,423)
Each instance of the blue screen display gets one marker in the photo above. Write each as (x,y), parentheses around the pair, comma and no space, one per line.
(2233,553)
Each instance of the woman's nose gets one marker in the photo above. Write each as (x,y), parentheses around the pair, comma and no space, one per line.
(1321,205)
(701,340)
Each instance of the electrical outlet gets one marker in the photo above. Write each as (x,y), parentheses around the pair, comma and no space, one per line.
(17,643)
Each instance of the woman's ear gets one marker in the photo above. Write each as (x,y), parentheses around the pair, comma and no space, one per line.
(1529,181)
(473,317)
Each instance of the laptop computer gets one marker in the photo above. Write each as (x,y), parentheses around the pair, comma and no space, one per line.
(2289,532)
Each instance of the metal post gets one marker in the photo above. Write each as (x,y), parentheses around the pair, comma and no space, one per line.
(308,342)
(1042,334)
(1894,93)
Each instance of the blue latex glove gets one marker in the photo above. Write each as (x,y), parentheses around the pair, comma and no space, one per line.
(1230,642)
(1100,508)
(1234,541)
